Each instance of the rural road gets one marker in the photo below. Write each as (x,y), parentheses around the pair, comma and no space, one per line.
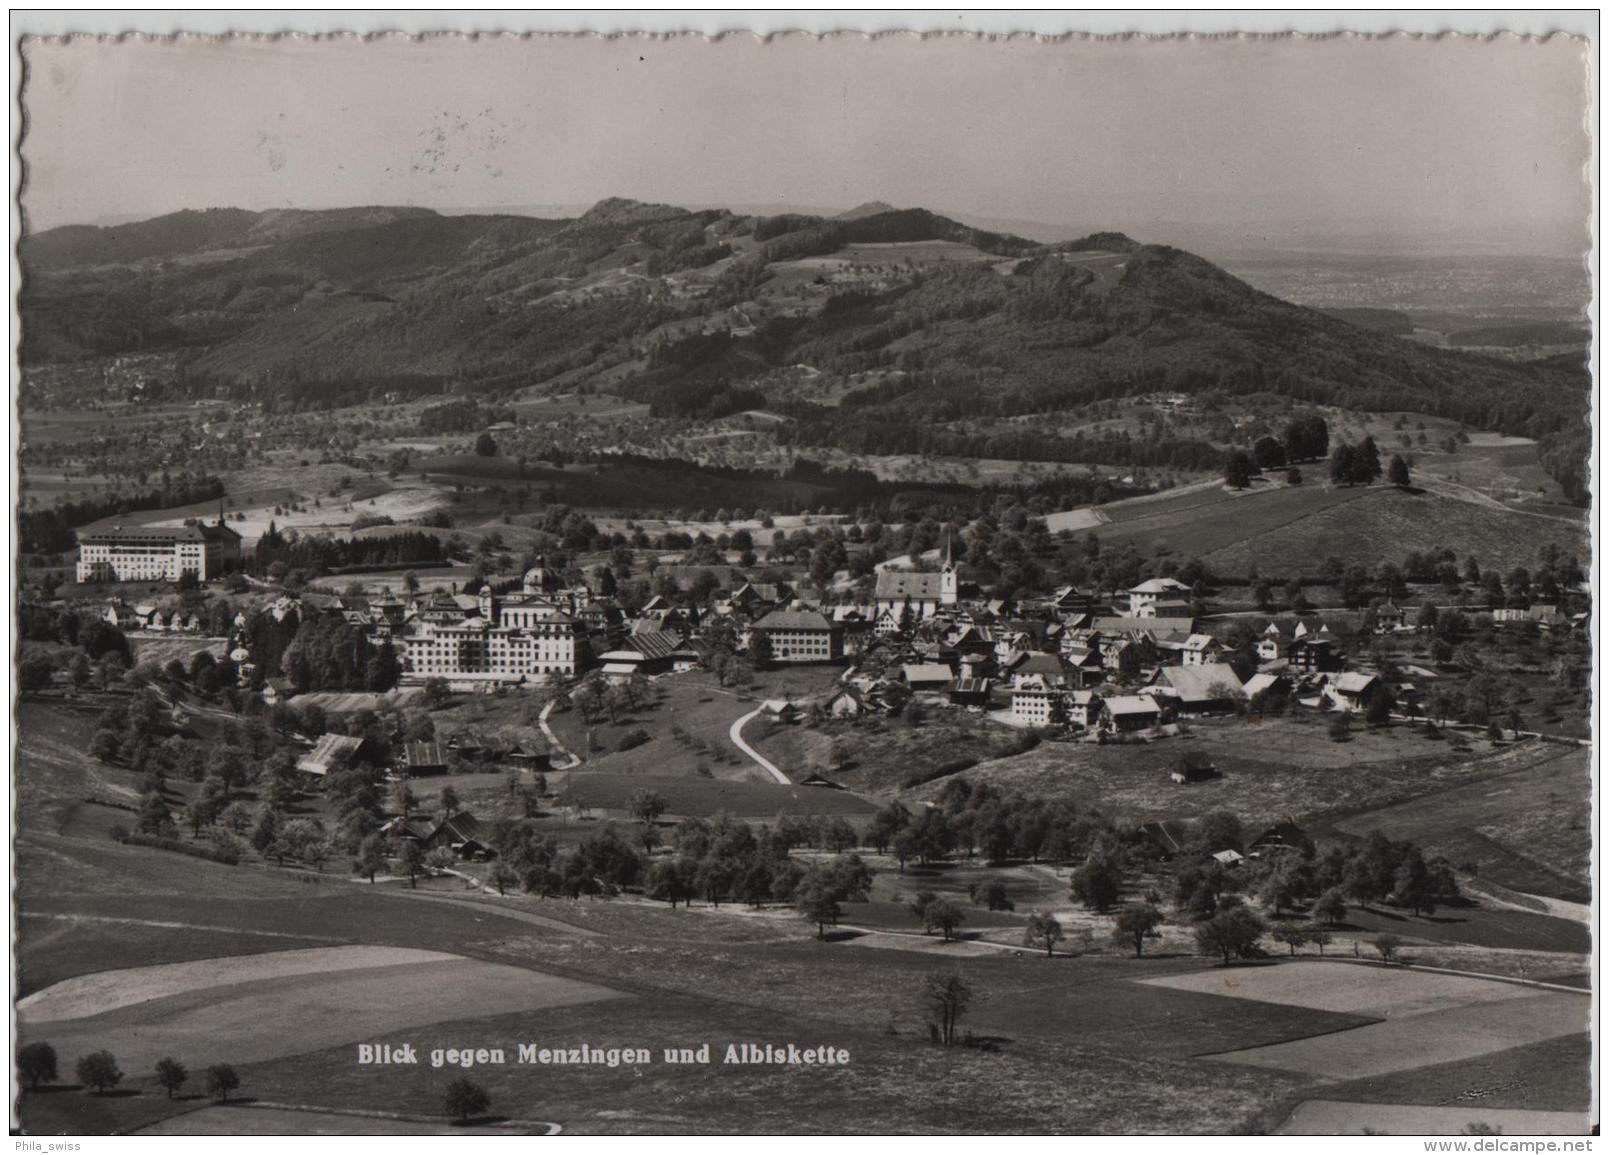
(736,734)
(547,732)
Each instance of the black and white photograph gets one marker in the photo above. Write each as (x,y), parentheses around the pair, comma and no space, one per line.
(809,584)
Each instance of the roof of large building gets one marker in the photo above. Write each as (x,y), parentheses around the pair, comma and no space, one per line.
(1131,704)
(899,584)
(329,753)
(1198,683)
(793,620)
(148,534)
(1159,586)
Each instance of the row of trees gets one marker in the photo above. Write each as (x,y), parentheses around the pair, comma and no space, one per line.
(37,1064)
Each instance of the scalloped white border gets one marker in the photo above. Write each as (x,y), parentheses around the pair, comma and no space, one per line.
(1536,24)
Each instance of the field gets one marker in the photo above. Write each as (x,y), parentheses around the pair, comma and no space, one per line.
(1290,530)
(1080,1045)
(1427,1029)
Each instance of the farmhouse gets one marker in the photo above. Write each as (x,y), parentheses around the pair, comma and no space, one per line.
(147,553)
(330,753)
(647,653)
(1169,838)
(1209,688)
(1271,645)
(967,690)
(1353,691)
(929,676)
(1126,713)
(801,636)
(459,833)
(420,758)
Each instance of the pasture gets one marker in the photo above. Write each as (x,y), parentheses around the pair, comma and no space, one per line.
(254,1009)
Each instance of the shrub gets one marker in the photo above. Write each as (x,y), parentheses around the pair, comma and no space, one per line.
(464,1099)
(228,857)
(632,740)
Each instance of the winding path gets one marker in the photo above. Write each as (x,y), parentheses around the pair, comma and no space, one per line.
(547,732)
(736,734)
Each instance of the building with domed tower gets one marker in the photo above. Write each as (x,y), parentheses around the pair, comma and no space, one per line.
(528,636)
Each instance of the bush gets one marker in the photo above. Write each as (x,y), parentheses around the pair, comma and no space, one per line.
(228,857)
(632,740)
(464,1099)
(943,770)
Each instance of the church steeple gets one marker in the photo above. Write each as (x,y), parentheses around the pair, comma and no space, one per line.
(949,585)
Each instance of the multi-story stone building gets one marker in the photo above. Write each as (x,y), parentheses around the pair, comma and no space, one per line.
(148,553)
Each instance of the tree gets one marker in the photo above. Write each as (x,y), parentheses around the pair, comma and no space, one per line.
(1135,923)
(1397,472)
(1045,930)
(371,857)
(171,1075)
(36,673)
(1330,907)
(104,746)
(947,916)
(818,903)
(1239,469)
(485,445)
(1098,883)
(1319,938)
(465,1098)
(36,1064)
(995,896)
(411,861)
(502,876)
(450,804)
(646,806)
(221,1079)
(1230,932)
(1291,936)
(1270,454)
(947,998)
(670,880)
(1386,945)
(1369,459)
(99,1071)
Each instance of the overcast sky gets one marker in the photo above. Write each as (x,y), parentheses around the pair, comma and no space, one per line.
(1290,138)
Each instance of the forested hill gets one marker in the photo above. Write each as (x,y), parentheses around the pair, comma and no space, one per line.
(935,329)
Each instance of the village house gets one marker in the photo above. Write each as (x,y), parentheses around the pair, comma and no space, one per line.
(1082,707)
(1271,645)
(1199,650)
(1144,598)
(1034,702)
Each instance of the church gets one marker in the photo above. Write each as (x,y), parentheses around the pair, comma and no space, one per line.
(921,594)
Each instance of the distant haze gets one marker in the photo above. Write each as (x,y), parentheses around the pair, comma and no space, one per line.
(1215,144)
